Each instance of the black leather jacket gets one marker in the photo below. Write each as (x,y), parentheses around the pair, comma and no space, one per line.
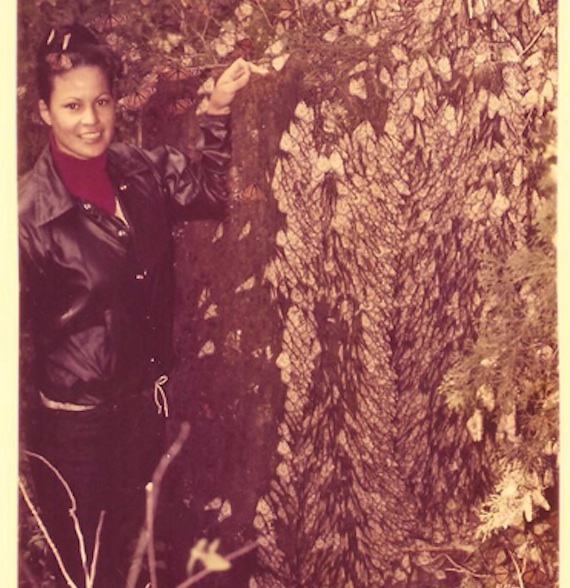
(98,293)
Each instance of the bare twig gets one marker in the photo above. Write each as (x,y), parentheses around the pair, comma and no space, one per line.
(233,555)
(533,41)
(88,571)
(158,475)
(462,569)
(262,10)
(150,550)
(423,546)
(46,534)
(518,570)
(205,29)
(72,509)
(167,458)
(93,570)
(299,11)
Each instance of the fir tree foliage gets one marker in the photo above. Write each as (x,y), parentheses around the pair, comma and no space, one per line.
(507,384)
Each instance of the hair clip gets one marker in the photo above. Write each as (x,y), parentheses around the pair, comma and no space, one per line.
(51,37)
(65,43)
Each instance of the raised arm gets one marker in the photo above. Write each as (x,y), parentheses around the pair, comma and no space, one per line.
(199,184)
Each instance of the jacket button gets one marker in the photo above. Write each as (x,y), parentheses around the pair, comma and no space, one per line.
(142,275)
(122,187)
(87,206)
(122,233)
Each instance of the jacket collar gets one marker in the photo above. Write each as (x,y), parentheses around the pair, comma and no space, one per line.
(51,198)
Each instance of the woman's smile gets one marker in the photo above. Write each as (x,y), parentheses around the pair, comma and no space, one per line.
(92,136)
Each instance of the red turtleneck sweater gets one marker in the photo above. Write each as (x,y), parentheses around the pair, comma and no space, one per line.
(87,179)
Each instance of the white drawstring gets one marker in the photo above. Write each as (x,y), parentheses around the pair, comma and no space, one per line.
(160,398)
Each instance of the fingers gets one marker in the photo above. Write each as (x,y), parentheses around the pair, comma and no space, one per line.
(258,69)
(239,65)
(239,72)
(233,79)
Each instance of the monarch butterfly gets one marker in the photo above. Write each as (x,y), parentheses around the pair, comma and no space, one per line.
(139,98)
(108,22)
(534,576)
(177,70)
(251,193)
(204,9)
(180,106)
(243,48)
(286,9)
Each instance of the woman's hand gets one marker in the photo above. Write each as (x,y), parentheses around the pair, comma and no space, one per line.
(234,78)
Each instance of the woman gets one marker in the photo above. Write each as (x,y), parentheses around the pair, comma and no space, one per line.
(96,277)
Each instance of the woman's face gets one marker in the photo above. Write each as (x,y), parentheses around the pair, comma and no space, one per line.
(81,111)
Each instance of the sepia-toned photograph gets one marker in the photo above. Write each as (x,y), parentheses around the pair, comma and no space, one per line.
(287,278)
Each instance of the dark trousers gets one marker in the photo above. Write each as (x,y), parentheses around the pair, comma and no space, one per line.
(107,456)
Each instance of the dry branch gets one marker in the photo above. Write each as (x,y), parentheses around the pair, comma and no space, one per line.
(152,500)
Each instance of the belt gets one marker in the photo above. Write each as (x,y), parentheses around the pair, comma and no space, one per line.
(159,396)
(68,406)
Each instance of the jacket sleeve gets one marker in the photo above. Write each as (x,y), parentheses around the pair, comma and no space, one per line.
(197,184)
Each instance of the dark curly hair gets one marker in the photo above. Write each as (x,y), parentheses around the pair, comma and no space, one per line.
(70,46)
